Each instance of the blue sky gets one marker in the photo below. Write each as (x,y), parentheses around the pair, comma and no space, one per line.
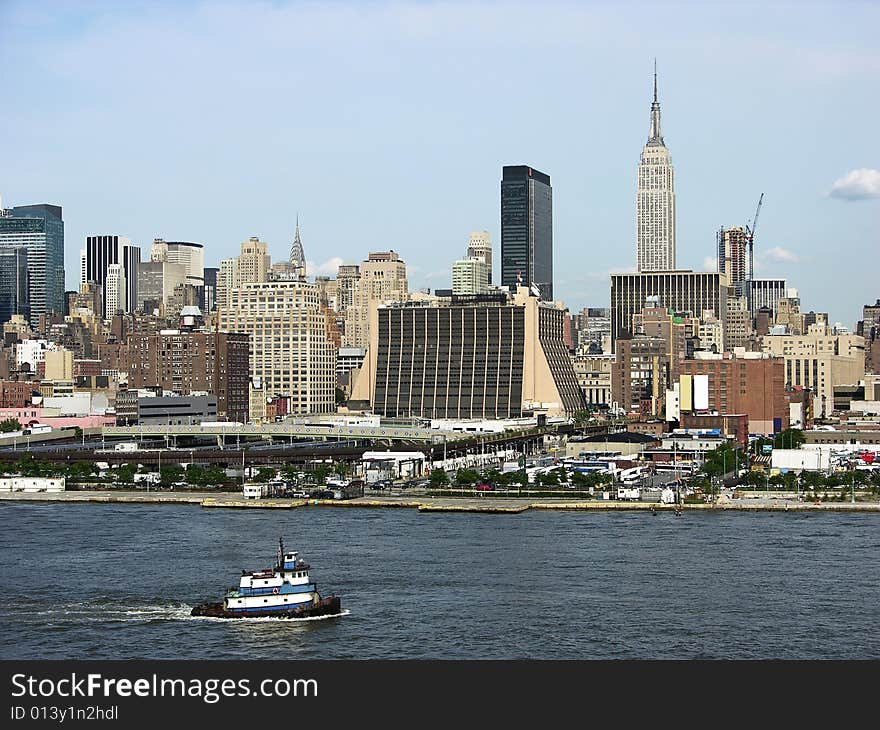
(386,124)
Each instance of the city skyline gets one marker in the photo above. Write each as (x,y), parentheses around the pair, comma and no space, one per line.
(209,170)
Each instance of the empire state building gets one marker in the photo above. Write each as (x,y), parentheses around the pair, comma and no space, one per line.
(655,200)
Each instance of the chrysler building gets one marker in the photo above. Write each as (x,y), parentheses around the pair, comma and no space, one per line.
(655,200)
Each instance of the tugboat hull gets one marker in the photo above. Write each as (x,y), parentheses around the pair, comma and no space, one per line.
(325,607)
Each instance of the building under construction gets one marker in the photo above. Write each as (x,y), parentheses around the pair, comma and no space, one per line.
(733,244)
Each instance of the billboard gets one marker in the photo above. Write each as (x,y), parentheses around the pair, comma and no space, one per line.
(701,392)
(686,398)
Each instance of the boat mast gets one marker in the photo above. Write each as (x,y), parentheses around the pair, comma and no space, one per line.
(280,553)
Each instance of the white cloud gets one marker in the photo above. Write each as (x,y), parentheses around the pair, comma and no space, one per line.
(710,263)
(860,184)
(329,268)
(781,255)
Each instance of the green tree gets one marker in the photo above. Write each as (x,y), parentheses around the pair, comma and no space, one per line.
(266,474)
(438,478)
(81,471)
(195,475)
(291,473)
(214,476)
(466,476)
(581,418)
(171,473)
(320,473)
(9,425)
(493,476)
(124,473)
(790,438)
(549,478)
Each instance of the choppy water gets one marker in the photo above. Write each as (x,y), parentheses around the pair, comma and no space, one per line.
(118,581)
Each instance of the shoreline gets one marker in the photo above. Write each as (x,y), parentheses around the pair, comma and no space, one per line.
(483,505)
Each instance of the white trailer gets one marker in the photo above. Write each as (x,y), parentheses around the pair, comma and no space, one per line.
(255,491)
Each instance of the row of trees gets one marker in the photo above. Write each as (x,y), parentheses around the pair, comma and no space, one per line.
(555,477)
(815,480)
(9,425)
(193,474)
(790,438)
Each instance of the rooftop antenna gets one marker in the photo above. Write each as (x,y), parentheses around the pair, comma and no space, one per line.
(655,79)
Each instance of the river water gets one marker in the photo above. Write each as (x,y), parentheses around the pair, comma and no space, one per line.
(99,581)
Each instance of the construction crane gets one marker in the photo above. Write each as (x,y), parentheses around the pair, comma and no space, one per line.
(750,230)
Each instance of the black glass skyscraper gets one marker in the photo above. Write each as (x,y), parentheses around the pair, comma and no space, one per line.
(100,253)
(527,229)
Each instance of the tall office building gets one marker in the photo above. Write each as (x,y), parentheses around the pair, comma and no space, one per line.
(347,278)
(683,291)
(99,254)
(765,293)
(382,278)
(253,262)
(470,276)
(208,302)
(290,352)
(655,200)
(733,245)
(480,247)
(14,293)
(489,356)
(115,291)
(157,282)
(252,266)
(226,278)
(190,255)
(40,229)
(527,229)
(131,264)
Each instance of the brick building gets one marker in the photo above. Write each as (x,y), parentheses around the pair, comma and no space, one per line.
(17,393)
(753,384)
(185,362)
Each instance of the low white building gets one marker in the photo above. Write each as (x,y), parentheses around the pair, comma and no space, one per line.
(399,464)
(820,457)
(480,426)
(32,484)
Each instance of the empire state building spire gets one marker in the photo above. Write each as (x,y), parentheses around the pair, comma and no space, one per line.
(655,200)
(656,137)
(297,255)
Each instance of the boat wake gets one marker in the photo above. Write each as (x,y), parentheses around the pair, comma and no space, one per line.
(98,611)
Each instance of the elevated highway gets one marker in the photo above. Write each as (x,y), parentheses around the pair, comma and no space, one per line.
(225,431)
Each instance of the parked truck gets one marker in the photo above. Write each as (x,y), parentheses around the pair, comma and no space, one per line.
(628,493)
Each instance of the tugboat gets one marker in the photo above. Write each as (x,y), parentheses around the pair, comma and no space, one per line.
(283,591)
